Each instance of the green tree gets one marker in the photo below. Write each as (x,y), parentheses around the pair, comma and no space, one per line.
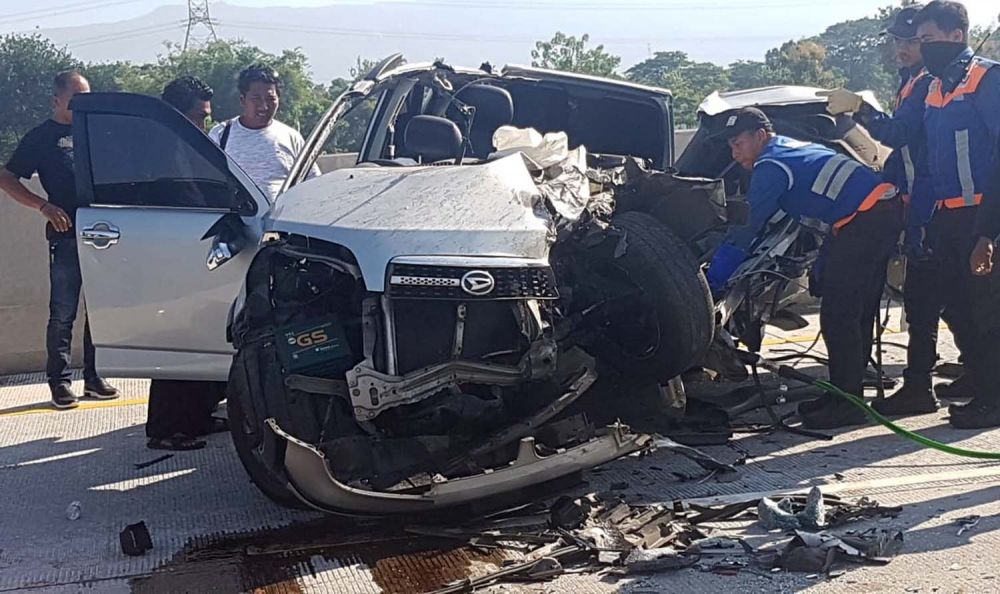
(28,63)
(569,53)
(689,81)
(749,74)
(858,50)
(349,133)
(991,48)
(802,63)
(219,64)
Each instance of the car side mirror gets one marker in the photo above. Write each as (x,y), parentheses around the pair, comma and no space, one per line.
(737,212)
(228,236)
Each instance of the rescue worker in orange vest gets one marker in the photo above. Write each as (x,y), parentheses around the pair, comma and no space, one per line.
(863,215)
(961,121)
(907,168)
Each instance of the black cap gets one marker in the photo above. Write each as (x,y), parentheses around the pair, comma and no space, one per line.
(742,120)
(903,27)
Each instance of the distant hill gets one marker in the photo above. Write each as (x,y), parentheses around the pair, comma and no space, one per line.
(335,36)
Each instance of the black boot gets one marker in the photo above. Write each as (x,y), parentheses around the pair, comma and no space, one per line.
(958,389)
(833,412)
(977,414)
(911,399)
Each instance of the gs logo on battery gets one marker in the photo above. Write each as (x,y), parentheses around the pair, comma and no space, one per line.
(309,339)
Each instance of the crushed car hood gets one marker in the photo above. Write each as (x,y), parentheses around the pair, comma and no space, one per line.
(381,213)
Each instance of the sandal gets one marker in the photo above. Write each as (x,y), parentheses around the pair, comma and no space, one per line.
(176,443)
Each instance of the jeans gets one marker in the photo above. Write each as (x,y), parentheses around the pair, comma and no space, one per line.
(65,283)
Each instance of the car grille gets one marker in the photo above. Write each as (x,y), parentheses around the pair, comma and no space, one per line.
(411,281)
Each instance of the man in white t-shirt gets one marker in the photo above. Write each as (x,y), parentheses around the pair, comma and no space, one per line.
(261,145)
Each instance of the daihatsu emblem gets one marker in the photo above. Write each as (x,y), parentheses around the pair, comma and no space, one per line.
(478,282)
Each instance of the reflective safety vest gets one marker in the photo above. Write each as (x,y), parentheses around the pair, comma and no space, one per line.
(906,156)
(960,147)
(823,184)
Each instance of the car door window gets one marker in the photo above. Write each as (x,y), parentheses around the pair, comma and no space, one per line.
(145,163)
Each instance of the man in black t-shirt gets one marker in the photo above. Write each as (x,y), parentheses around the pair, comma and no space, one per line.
(48,151)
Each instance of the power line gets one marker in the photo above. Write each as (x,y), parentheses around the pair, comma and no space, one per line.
(126,34)
(345,32)
(200,28)
(27,15)
(609,6)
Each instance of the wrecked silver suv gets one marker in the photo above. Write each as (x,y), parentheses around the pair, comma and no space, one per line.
(417,331)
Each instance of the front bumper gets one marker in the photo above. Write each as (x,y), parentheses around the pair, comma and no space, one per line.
(311,480)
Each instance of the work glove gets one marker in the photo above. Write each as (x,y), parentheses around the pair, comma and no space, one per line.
(724,263)
(840,101)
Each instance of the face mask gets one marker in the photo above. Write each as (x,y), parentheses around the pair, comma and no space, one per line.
(939,54)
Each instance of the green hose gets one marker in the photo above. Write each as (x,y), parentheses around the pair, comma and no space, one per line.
(937,445)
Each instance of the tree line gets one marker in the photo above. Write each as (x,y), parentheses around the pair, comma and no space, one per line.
(852,54)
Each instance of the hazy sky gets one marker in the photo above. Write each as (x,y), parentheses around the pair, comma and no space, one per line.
(16,15)
(502,31)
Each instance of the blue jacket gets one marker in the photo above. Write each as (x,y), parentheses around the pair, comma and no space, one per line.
(906,167)
(963,129)
(960,119)
(806,181)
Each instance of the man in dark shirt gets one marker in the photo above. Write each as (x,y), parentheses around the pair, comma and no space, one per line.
(48,151)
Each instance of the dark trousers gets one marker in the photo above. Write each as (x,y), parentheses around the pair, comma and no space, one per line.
(924,296)
(182,407)
(972,303)
(65,283)
(853,280)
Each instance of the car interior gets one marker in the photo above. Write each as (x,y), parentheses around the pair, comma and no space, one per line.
(435,125)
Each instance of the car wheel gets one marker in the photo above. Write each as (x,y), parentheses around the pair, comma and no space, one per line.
(661,322)
(259,449)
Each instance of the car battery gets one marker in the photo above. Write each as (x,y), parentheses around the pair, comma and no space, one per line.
(317,348)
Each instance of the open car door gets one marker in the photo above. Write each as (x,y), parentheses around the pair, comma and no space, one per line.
(166,229)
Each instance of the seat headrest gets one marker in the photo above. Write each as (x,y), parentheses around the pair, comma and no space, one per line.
(493,104)
(432,138)
(494,108)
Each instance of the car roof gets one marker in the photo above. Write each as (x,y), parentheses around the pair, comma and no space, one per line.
(517,71)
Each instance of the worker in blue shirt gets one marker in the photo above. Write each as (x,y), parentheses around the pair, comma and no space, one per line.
(961,122)
(863,216)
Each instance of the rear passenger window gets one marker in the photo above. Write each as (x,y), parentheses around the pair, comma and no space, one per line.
(141,162)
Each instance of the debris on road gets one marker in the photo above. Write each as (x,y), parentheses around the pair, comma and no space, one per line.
(966,523)
(774,515)
(149,463)
(135,539)
(73,511)
(817,552)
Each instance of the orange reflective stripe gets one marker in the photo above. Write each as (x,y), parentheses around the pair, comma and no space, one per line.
(868,203)
(969,85)
(960,202)
(907,89)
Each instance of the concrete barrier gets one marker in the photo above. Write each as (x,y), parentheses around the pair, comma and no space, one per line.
(24,288)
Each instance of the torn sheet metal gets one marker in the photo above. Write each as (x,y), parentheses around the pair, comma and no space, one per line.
(817,552)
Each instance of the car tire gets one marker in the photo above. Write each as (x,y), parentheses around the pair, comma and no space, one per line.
(674,296)
(251,436)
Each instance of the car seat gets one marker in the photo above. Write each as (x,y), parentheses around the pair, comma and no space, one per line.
(432,138)
(494,108)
